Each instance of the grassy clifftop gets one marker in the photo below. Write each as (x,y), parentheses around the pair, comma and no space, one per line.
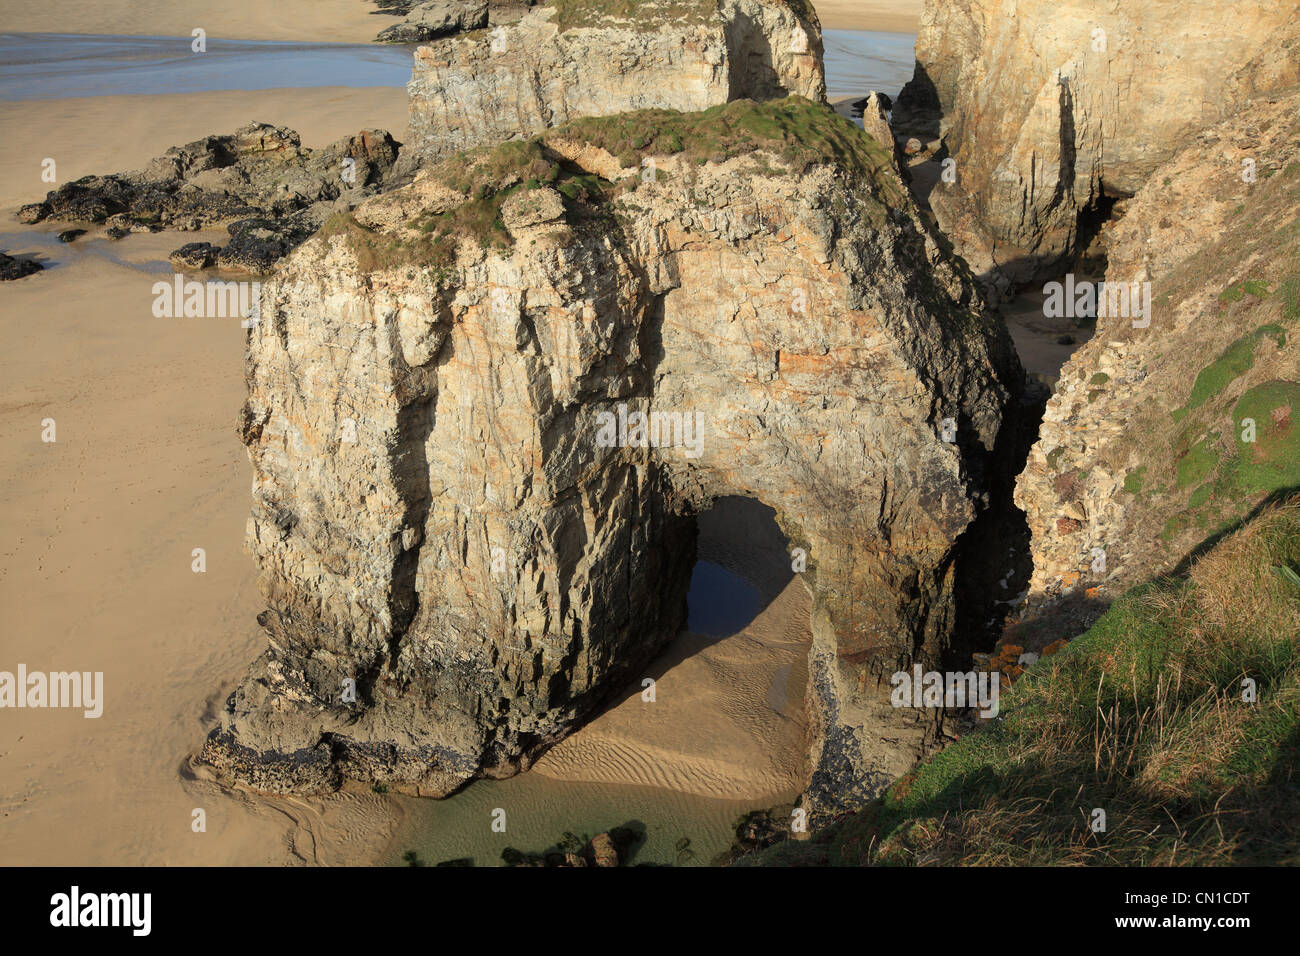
(1177,715)
(795,133)
(575,14)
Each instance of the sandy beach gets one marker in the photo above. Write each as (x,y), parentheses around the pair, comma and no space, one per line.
(326,21)
(96,574)
(894,16)
(338,21)
(100,525)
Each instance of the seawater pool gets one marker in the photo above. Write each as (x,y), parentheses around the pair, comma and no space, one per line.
(539,810)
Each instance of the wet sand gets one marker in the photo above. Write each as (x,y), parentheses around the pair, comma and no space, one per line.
(96,575)
(338,21)
(895,16)
(99,527)
(324,20)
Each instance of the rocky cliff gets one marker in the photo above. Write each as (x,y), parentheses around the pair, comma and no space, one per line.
(484,408)
(1051,108)
(575,58)
(1161,437)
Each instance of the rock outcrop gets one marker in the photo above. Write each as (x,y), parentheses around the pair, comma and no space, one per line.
(578,58)
(1161,437)
(1051,108)
(270,191)
(469,536)
(440,18)
(11,268)
(427,21)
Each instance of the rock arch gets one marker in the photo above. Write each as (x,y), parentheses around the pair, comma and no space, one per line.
(799,309)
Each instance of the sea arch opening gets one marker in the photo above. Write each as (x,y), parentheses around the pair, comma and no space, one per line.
(722,710)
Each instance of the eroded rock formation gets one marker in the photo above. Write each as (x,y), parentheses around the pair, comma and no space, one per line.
(269,190)
(439,18)
(585,58)
(442,522)
(1049,107)
(1159,437)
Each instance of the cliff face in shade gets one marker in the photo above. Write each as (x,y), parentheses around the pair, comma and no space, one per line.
(575,58)
(1047,106)
(1160,438)
(436,516)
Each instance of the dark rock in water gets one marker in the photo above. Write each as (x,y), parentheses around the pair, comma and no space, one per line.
(757,830)
(512,857)
(256,244)
(11,268)
(459,861)
(603,851)
(67,235)
(259,174)
(194,255)
(397,7)
(609,849)
(436,19)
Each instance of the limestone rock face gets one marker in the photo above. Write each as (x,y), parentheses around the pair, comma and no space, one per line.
(573,59)
(1049,105)
(1146,451)
(456,508)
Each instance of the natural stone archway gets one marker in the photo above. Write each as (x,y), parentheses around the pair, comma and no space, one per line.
(721,712)
(437,520)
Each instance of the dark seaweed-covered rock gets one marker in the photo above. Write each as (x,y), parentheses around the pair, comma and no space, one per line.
(260,178)
(609,849)
(431,19)
(11,268)
(437,18)
(195,255)
(68,235)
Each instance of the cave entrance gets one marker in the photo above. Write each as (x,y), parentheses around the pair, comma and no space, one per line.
(742,565)
(721,711)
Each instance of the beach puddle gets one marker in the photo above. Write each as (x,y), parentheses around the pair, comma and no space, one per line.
(680,829)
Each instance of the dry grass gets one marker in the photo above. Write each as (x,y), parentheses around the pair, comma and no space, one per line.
(1144,717)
